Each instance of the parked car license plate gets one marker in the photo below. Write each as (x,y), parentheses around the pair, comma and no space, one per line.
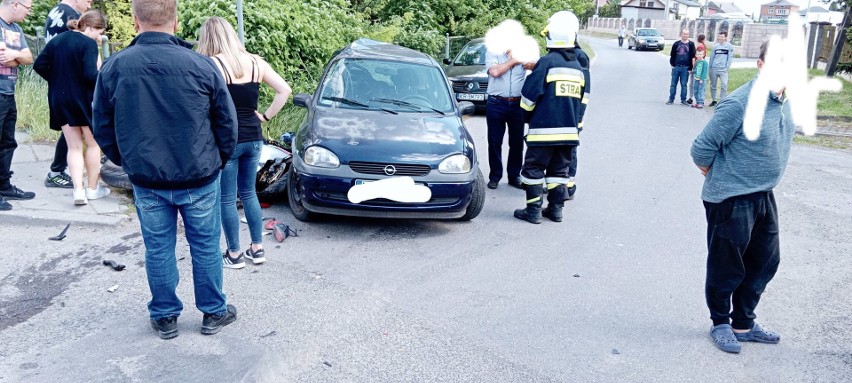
(361,182)
(470,96)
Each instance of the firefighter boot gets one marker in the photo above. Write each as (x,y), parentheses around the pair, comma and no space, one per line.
(553,212)
(532,213)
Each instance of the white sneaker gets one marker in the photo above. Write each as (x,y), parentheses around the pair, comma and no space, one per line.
(100,192)
(80,197)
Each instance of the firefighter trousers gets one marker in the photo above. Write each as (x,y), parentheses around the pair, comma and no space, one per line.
(549,166)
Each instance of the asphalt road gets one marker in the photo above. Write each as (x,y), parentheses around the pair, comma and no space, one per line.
(613,293)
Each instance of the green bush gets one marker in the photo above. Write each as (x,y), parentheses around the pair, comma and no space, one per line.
(33,111)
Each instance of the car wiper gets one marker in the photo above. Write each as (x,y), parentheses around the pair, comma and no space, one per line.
(408,104)
(346,101)
(356,103)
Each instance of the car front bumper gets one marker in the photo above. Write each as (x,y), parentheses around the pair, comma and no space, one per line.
(326,191)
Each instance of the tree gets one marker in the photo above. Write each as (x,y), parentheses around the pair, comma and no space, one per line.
(612,8)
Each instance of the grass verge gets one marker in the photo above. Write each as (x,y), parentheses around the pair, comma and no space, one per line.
(833,104)
(831,142)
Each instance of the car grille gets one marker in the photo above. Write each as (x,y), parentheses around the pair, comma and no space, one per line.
(376,168)
(461,86)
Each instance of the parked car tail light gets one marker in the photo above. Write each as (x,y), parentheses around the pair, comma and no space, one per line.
(321,157)
(455,164)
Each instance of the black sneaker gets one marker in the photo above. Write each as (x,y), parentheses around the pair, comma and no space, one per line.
(256,257)
(689,101)
(166,327)
(684,103)
(61,180)
(669,102)
(713,103)
(15,193)
(211,324)
(5,205)
(233,263)
(492,184)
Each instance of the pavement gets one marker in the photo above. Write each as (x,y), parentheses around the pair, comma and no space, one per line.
(31,162)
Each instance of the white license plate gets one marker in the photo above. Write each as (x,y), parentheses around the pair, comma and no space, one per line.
(361,182)
(471,96)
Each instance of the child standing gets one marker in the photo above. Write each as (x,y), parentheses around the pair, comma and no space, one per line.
(700,76)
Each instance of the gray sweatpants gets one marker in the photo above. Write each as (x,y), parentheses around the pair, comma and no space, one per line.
(721,75)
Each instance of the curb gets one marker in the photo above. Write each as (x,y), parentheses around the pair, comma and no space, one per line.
(28,216)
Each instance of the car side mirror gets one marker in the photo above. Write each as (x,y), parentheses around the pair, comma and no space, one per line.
(302,99)
(467,108)
(448,61)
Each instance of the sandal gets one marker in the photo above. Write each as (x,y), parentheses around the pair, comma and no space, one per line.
(759,335)
(723,336)
(270,224)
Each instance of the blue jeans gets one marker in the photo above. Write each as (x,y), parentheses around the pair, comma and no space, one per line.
(679,73)
(240,173)
(699,91)
(199,208)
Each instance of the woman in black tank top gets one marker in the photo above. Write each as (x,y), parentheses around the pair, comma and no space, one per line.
(243,73)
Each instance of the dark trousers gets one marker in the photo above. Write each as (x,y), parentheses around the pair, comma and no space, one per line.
(8,118)
(620,41)
(549,165)
(742,256)
(60,156)
(499,115)
(572,172)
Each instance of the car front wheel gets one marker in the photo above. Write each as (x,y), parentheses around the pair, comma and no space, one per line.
(295,195)
(477,198)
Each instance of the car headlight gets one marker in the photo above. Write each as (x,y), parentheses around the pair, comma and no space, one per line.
(642,41)
(321,157)
(455,164)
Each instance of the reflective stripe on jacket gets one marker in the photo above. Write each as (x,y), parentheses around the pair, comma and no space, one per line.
(555,96)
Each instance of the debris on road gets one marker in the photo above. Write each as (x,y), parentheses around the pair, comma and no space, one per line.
(326,363)
(576,275)
(615,352)
(61,235)
(113,288)
(115,266)
(271,333)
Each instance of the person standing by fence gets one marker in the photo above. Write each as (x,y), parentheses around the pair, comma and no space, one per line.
(14,52)
(720,62)
(56,23)
(70,65)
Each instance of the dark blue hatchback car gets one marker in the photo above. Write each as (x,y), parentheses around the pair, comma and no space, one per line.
(383,111)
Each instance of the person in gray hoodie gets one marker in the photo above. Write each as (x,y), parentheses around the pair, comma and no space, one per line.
(742,218)
(720,62)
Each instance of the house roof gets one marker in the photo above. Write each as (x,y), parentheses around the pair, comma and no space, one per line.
(724,7)
(814,9)
(781,2)
(688,3)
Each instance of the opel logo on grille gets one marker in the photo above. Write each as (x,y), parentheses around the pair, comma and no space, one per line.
(390,170)
(470,86)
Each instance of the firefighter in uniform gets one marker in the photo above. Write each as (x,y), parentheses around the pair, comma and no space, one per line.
(555,97)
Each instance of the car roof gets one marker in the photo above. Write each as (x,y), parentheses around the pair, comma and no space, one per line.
(372,49)
(647,29)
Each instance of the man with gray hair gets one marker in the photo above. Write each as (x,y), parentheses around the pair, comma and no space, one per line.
(742,218)
(163,113)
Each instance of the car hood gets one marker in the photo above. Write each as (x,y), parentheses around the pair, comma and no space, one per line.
(465,71)
(374,136)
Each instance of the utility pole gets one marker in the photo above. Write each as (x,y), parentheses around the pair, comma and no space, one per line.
(240,28)
(666,17)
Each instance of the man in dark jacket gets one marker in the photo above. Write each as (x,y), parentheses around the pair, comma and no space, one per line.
(683,51)
(163,113)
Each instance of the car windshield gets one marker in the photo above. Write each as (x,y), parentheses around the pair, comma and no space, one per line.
(471,54)
(385,85)
(648,32)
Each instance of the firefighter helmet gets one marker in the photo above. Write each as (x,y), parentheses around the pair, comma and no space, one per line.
(561,30)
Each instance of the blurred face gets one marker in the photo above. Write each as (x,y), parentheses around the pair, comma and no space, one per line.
(21,9)
(684,35)
(94,33)
(82,5)
(722,38)
(700,55)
